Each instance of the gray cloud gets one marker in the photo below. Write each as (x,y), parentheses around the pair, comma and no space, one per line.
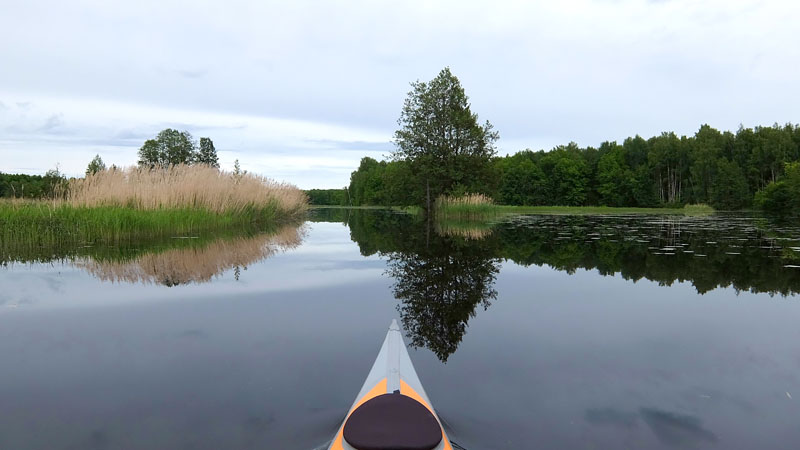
(543,74)
(192,74)
(52,124)
(363,146)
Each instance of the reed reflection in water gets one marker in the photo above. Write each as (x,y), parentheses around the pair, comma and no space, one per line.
(195,264)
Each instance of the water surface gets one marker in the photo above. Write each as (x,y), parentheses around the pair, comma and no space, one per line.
(537,332)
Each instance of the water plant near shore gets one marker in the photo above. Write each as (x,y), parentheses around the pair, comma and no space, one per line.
(480,207)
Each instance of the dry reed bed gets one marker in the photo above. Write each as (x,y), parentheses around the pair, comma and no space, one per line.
(182,186)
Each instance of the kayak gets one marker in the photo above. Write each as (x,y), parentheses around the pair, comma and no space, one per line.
(392,411)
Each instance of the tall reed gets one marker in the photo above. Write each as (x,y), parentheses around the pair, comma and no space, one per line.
(182,186)
(469,206)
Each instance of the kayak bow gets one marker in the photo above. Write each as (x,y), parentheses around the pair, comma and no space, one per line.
(392,410)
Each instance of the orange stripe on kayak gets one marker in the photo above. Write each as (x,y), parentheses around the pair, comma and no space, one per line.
(379,389)
(407,390)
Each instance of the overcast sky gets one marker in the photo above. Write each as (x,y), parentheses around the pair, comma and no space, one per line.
(301,90)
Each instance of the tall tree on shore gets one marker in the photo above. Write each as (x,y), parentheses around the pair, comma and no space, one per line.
(207,154)
(441,138)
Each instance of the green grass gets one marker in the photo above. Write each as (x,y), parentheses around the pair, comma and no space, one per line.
(42,224)
(393,208)
(699,209)
(495,210)
(455,211)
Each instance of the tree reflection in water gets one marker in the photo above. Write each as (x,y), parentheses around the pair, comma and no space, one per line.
(439,288)
(442,273)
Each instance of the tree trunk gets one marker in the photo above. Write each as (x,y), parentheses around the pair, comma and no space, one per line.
(428,194)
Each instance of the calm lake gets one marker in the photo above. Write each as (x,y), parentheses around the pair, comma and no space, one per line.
(551,332)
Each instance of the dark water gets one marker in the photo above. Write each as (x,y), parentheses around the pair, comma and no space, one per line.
(540,332)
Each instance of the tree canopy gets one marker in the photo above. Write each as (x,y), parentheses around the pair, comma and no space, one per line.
(172,147)
(95,165)
(207,154)
(441,140)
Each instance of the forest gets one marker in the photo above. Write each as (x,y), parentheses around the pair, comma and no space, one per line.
(30,186)
(753,167)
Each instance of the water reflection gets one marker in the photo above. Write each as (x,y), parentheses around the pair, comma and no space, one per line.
(439,287)
(442,272)
(672,429)
(747,253)
(195,264)
(173,262)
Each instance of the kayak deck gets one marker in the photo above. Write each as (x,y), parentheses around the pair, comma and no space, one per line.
(392,372)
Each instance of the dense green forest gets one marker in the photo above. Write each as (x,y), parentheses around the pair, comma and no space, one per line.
(723,169)
(29,186)
(327,197)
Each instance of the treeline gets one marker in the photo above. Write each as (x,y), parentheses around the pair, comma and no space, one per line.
(336,197)
(723,169)
(30,186)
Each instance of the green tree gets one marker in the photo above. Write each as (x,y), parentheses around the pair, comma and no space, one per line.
(707,149)
(441,138)
(399,186)
(522,182)
(614,178)
(668,160)
(782,196)
(367,184)
(95,165)
(55,182)
(567,175)
(170,147)
(207,154)
(729,189)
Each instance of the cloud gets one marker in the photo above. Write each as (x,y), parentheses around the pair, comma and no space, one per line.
(192,74)
(542,73)
(307,153)
(52,123)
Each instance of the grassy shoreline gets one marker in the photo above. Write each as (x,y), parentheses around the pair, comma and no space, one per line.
(47,224)
(480,210)
(117,205)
